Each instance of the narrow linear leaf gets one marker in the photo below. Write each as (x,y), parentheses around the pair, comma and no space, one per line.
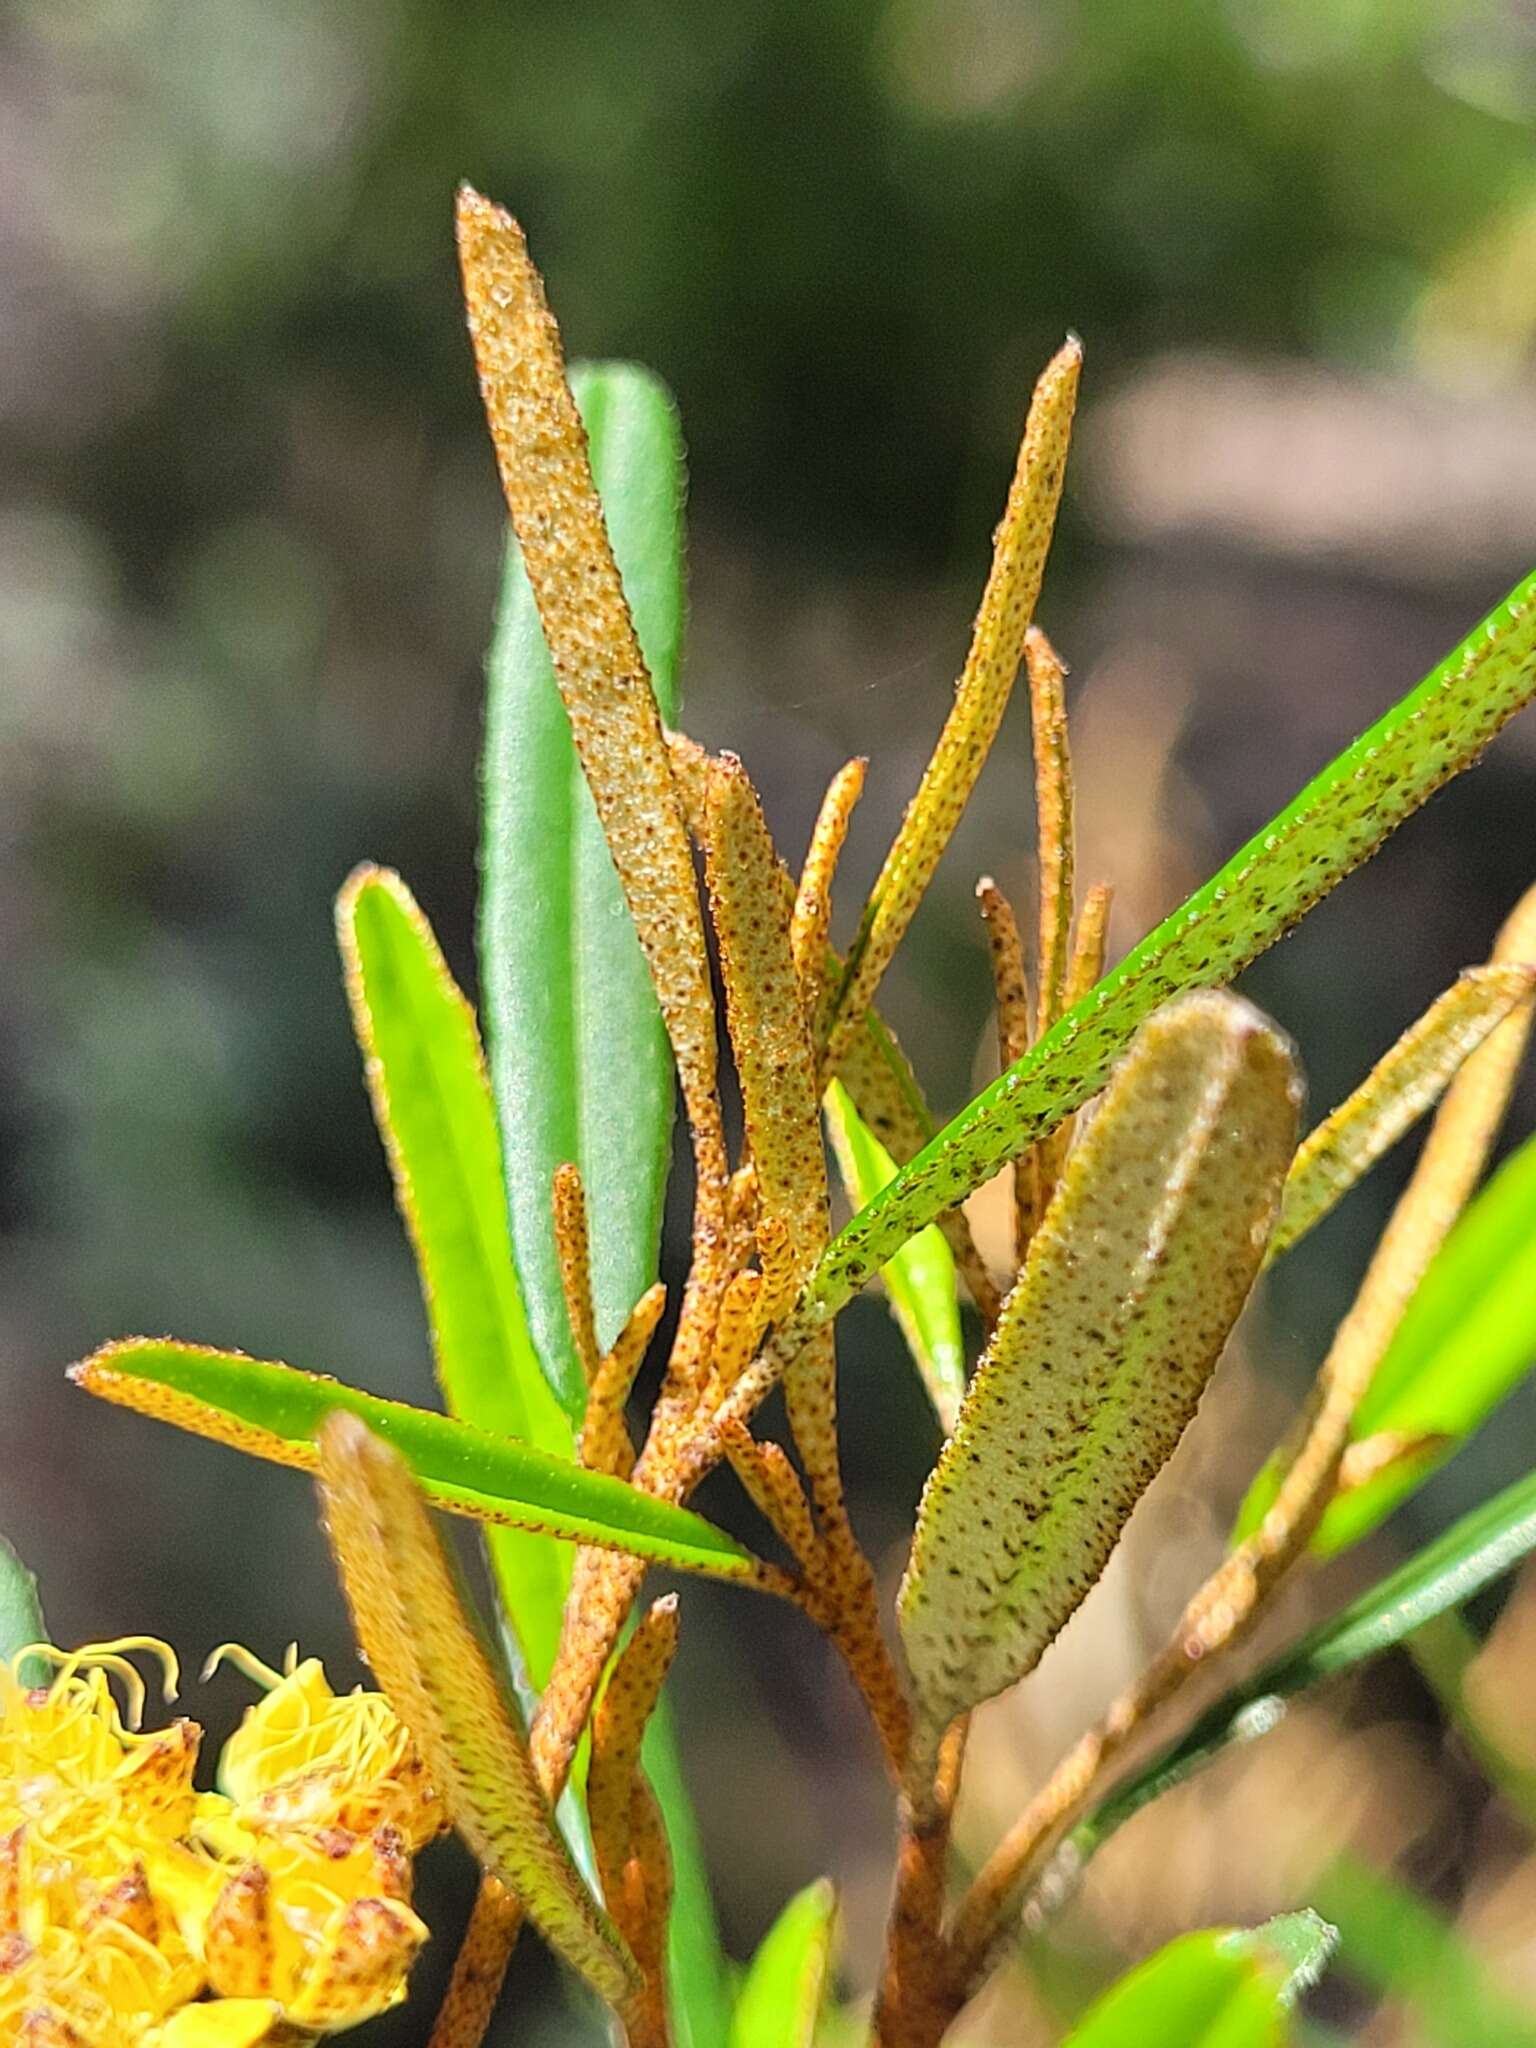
(432,1101)
(752,901)
(411,1623)
(1474,1552)
(1054,808)
(696,1974)
(1104,1347)
(546,478)
(1336,822)
(569,1002)
(981,695)
(274,1411)
(1399,1089)
(1220,1988)
(920,1280)
(1466,1342)
(781,1998)
(21,1614)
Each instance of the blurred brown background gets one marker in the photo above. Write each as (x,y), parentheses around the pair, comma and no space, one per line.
(248,544)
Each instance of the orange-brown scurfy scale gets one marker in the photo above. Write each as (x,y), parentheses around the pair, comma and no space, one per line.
(605,1439)
(981,696)
(479,1967)
(406,1609)
(752,901)
(573,1251)
(812,919)
(546,476)
(1054,813)
(628,1701)
(185,1411)
(773,1487)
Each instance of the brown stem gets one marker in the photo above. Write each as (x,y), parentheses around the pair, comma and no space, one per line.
(912,2007)
(479,1967)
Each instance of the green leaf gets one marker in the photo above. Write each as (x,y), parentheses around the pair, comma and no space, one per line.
(920,1280)
(432,1101)
(1336,822)
(274,1411)
(1466,1341)
(1220,1988)
(21,1615)
(1395,1944)
(1476,1550)
(784,1988)
(1103,1349)
(579,1060)
(581,1066)
(698,2000)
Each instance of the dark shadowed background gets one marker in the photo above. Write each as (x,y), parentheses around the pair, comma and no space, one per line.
(249,532)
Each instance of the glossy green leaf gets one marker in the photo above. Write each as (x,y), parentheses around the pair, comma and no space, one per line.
(1104,1347)
(579,1061)
(1219,1988)
(274,1411)
(1336,822)
(21,1614)
(920,1280)
(698,1997)
(1475,1551)
(1465,1343)
(432,1100)
(1394,1943)
(781,1997)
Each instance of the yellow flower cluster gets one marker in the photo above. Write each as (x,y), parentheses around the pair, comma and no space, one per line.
(138,1912)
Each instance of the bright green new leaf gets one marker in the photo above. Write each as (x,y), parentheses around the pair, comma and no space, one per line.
(21,1615)
(1475,1551)
(698,1998)
(1336,822)
(779,2002)
(920,1280)
(274,1411)
(432,1101)
(580,1062)
(1466,1341)
(1392,1941)
(1220,1988)
(1104,1346)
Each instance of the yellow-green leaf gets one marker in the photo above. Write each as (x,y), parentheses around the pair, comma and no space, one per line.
(274,1411)
(778,2004)
(432,1101)
(1105,1344)
(920,1280)
(414,1630)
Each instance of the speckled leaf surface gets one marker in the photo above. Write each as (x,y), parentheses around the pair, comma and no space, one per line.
(1335,823)
(1105,1345)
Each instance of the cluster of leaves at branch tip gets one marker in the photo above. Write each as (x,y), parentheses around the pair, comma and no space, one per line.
(529,1169)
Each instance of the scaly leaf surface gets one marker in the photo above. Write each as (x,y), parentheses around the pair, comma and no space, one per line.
(1337,821)
(1135,1277)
